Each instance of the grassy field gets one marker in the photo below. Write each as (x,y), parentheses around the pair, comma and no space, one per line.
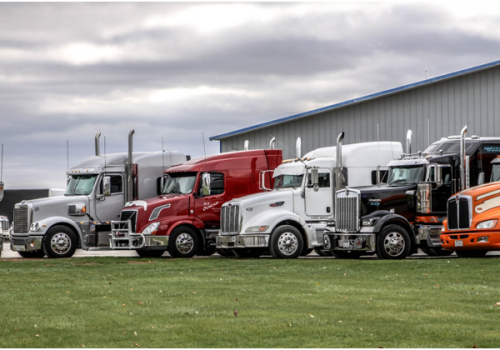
(222,302)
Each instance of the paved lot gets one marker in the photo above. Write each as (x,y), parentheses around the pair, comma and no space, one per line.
(9,254)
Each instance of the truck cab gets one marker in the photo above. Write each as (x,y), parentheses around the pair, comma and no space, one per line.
(289,221)
(394,219)
(185,218)
(471,228)
(96,191)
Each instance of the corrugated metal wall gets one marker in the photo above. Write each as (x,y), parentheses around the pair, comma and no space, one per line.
(442,108)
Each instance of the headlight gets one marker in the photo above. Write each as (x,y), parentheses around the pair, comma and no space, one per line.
(151,229)
(35,226)
(487,224)
(369,222)
(256,229)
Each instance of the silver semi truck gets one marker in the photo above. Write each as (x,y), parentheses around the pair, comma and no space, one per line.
(97,190)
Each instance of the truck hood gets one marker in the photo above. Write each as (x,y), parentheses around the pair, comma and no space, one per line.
(47,207)
(484,190)
(263,198)
(385,197)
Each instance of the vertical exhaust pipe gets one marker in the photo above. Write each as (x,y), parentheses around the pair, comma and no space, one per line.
(408,142)
(463,173)
(338,169)
(245,145)
(97,145)
(272,142)
(298,147)
(130,180)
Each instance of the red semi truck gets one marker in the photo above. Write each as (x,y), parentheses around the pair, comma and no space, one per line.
(185,218)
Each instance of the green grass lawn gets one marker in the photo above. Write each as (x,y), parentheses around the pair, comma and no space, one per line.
(175,303)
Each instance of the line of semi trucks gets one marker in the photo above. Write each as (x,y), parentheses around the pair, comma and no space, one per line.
(344,201)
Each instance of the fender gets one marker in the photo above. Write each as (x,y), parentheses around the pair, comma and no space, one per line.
(58,220)
(272,218)
(397,219)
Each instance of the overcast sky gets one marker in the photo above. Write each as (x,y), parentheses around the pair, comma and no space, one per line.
(177,70)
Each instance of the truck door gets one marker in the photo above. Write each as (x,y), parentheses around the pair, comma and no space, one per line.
(211,196)
(108,208)
(319,201)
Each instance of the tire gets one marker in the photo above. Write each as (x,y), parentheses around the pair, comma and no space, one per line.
(286,242)
(183,242)
(150,253)
(346,254)
(471,253)
(393,242)
(225,252)
(306,251)
(436,251)
(323,252)
(207,251)
(247,253)
(33,254)
(60,242)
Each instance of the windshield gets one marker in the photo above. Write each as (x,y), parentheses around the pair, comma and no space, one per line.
(405,175)
(80,185)
(179,183)
(447,147)
(495,173)
(283,181)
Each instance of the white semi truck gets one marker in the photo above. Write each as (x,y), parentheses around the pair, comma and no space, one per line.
(290,220)
(97,190)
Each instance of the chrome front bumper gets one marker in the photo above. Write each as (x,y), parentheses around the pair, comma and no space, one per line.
(122,238)
(25,243)
(242,241)
(430,236)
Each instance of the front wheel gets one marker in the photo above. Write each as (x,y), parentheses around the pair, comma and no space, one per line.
(393,243)
(150,253)
(471,253)
(436,251)
(60,242)
(286,242)
(183,243)
(33,254)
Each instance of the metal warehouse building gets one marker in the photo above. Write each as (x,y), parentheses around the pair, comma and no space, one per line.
(432,108)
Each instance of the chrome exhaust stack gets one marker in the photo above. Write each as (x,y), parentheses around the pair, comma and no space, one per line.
(130,180)
(245,145)
(272,142)
(97,145)
(463,172)
(408,142)
(298,147)
(338,168)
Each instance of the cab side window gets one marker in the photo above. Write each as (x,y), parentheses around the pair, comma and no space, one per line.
(216,185)
(323,180)
(116,184)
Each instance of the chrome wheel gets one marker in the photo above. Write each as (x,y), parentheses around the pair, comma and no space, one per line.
(288,243)
(394,243)
(60,243)
(184,243)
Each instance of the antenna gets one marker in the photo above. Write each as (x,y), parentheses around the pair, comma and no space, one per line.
(105,156)
(426,74)
(428,130)
(163,155)
(204,151)
(67,153)
(1,168)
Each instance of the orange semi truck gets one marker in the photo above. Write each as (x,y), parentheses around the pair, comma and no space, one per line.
(472,226)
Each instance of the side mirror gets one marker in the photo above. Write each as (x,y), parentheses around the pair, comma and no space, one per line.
(1,190)
(161,186)
(106,186)
(480,179)
(205,184)
(436,174)
(314,179)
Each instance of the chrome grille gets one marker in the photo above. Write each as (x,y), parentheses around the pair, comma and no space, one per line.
(5,225)
(129,215)
(347,211)
(230,219)
(21,219)
(459,217)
